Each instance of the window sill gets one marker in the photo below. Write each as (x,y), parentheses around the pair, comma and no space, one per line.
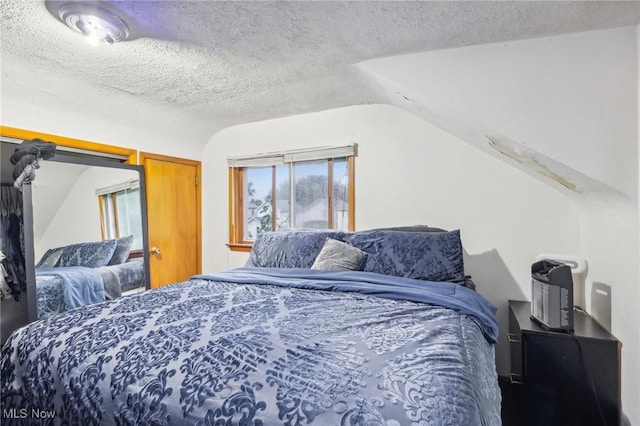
(245,247)
(135,254)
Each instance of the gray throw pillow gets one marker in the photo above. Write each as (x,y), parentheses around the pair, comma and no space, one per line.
(123,248)
(338,256)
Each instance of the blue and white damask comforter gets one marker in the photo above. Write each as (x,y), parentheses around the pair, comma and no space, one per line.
(257,346)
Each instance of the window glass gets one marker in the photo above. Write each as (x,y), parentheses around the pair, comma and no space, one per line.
(121,216)
(257,193)
(283,194)
(129,218)
(340,195)
(311,192)
(301,194)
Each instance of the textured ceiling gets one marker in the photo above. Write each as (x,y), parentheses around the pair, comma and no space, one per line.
(215,64)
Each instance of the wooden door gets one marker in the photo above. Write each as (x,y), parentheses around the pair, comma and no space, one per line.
(173,211)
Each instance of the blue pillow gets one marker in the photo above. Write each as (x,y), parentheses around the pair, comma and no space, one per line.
(431,256)
(50,258)
(123,248)
(289,249)
(90,255)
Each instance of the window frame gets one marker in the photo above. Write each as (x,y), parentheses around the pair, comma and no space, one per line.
(236,200)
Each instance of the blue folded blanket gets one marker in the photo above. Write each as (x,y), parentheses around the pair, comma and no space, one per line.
(81,286)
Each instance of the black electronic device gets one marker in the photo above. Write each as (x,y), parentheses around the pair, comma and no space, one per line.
(552,295)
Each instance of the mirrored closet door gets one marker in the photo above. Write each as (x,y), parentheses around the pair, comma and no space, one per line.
(89,232)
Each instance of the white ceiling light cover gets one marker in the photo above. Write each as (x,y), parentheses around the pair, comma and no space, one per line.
(93,22)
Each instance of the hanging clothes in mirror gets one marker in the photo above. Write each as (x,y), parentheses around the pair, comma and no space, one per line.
(12,240)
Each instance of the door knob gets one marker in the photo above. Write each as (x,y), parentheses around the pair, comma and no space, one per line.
(155,250)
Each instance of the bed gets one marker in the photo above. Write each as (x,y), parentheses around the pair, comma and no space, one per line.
(80,274)
(269,344)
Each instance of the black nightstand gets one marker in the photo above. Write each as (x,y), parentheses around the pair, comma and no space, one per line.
(559,371)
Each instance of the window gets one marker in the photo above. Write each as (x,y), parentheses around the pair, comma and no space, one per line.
(314,189)
(120,212)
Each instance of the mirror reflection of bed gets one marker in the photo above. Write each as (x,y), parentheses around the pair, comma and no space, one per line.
(88,235)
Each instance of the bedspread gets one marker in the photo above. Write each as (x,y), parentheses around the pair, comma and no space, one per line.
(271,349)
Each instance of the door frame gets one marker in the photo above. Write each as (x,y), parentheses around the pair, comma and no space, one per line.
(142,156)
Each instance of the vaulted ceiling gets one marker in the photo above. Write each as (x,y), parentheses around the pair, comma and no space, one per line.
(214,64)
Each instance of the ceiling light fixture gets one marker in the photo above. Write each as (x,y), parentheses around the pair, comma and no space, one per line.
(95,23)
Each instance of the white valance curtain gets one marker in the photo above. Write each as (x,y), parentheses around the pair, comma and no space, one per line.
(124,186)
(283,157)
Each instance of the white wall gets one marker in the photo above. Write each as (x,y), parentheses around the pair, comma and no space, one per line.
(571,98)
(168,134)
(570,103)
(77,218)
(610,242)
(410,172)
